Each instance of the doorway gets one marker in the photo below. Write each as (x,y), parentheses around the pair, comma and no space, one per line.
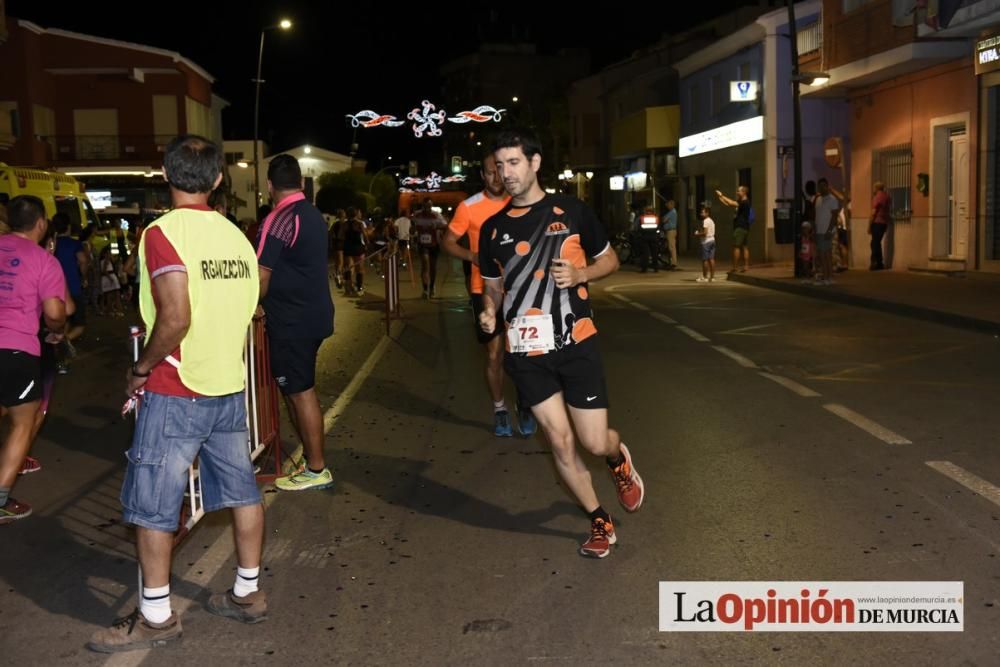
(949,189)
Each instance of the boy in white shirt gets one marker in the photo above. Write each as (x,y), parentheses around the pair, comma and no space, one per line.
(707,245)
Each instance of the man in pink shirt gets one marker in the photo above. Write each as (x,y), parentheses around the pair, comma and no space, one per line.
(879,224)
(31,286)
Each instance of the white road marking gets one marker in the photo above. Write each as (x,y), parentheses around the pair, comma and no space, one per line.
(345,398)
(666,319)
(865,424)
(735,356)
(791,385)
(688,304)
(691,332)
(623,299)
(636,304)
(752,328)
(967,479)
(653,284)
(221,550)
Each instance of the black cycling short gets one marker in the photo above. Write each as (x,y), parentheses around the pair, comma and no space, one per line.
(477,310)
(20,378)
(293,363)
(575,370)
(431,250)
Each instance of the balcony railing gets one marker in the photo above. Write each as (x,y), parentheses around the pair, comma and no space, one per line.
(91,148)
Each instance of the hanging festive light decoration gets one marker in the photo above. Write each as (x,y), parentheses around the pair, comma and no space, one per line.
(373,119)
(432,182)
(427,118)
(481,114)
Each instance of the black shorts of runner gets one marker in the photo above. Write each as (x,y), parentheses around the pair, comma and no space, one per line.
(79,316)
(293,363)
(20,378)
(576,371)
(467,269)
(477,310)
(841,236)
(402,244)
(431,251)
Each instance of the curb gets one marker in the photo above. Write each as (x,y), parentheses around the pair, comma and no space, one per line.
(882,305)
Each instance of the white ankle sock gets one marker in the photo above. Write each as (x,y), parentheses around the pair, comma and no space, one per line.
(246,581)
(155,603)
(499,405)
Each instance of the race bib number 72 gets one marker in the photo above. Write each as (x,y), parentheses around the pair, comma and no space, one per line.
(531,333)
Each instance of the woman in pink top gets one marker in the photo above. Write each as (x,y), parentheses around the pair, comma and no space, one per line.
(32,286)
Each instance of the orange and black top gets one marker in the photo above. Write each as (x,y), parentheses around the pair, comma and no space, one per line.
(518,245)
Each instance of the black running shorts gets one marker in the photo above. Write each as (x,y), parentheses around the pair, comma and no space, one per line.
(576,371)
(293,363)
(477,309)
(20,378)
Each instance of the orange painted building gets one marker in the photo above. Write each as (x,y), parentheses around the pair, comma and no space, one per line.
(911,86)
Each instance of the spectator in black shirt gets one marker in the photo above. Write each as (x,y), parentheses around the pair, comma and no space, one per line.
(295,294)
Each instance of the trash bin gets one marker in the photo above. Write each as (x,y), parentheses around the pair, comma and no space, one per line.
(784,233)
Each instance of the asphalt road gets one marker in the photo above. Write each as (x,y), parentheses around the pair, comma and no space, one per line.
(780,439)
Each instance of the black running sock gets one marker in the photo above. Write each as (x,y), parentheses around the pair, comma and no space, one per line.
(317,472)
(614,462)
(599,513)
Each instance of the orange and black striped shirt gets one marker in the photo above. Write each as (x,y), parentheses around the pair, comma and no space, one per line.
(518,245)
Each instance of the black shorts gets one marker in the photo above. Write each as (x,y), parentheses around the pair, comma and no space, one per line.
(293,363)
(841,236)
(20,378)
(79,316)
(402,243)
(467,268)
(576,371)
(477,310)
(431,251)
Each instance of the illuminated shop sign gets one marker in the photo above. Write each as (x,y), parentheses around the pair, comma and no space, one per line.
(988,52)
(734,134)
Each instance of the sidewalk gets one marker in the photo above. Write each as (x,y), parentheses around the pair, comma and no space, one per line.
(971,302)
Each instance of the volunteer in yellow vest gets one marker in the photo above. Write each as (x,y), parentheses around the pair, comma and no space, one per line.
(199,288)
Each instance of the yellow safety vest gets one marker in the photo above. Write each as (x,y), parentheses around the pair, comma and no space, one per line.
(223,286)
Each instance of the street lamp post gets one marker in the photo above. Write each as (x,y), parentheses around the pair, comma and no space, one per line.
(385,168)
(796,211)
(284,24)
(798,78)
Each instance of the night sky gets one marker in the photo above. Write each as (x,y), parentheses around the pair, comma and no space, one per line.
(343,57)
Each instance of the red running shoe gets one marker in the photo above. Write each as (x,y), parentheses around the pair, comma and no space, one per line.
(631,490)
(30,465)
(602,536)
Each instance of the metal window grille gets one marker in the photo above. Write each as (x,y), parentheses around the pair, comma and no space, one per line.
(893,165)
(810,38)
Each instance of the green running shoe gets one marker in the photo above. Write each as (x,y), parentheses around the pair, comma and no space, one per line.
(305,480)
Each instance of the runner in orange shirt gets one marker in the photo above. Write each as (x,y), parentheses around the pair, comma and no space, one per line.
(469,217)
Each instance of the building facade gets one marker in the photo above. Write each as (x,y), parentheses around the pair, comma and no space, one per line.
(918,124)
(100,109)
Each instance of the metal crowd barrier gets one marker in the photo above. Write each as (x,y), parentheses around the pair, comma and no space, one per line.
(390,269)
(263,419)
